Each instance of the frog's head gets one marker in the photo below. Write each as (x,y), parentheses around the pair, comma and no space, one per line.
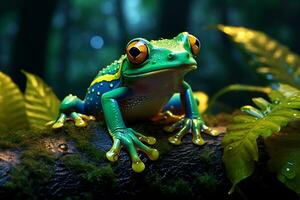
(151,57)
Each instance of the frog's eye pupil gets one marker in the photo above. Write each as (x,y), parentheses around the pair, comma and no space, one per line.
(197,43)
(137,52)
(134,52)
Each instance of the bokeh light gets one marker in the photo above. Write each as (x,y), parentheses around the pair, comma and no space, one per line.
(96,42)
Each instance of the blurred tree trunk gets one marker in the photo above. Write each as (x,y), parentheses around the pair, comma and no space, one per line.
(174,17)
(226,48)
(30,46)
(8,6)
(123,36)
(64,51)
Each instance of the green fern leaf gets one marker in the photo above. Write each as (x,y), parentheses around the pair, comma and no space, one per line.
(12,106)
(42,105)
(240,147)
(271,58)
(284,152)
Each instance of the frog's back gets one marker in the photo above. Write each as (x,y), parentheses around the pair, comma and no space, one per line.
(107,79)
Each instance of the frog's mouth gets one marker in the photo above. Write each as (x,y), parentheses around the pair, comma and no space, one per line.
(183,69)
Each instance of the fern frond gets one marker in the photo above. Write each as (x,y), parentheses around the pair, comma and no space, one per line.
(271,58)
(12,106)
(240,147)
(236,87)
(42,105)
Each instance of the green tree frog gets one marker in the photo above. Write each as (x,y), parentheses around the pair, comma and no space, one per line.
(145,83)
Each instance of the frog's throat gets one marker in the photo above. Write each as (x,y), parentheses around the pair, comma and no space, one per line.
(108,77)
(185,68)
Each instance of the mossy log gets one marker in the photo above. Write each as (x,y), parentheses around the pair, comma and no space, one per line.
(70,163)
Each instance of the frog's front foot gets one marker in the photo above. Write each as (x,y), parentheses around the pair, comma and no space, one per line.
(187,125)
(132,141)
(80,120)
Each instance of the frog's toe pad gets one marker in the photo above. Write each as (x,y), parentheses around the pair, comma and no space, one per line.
(91,118)
(211,131)
(58,125)
(198,141)
(80,122)
(154,154)
(87,117)
(215,132)
(112,156)
(138,166)
(175,140)
(168,129)
(50,123)
(151,140)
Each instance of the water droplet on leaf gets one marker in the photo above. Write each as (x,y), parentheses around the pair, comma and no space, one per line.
(288,170)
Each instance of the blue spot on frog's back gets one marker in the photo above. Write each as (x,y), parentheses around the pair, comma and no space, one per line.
(93,96)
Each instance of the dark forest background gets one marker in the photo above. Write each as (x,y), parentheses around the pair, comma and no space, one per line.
(67,41)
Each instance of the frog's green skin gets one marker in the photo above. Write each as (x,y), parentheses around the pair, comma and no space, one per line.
(124,92)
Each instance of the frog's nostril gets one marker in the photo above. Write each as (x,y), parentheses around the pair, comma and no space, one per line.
(171,56)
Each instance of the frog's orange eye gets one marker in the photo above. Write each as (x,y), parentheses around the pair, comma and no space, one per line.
(137,52)
(195,44)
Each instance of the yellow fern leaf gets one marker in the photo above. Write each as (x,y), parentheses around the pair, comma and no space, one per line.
(272,59)
(12,106)
(203,100)
(42,105)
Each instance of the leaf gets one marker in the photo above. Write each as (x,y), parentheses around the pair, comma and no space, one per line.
(240,147)
(236,87)
(12,106)
(42,105)
(203,99)
(270,58)
(284,151)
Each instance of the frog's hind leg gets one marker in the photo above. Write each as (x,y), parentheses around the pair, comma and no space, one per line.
(71,108)
(171,112)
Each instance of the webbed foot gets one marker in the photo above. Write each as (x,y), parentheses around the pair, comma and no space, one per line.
(187,125)
(166,117)
(80,120)
(132,141)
